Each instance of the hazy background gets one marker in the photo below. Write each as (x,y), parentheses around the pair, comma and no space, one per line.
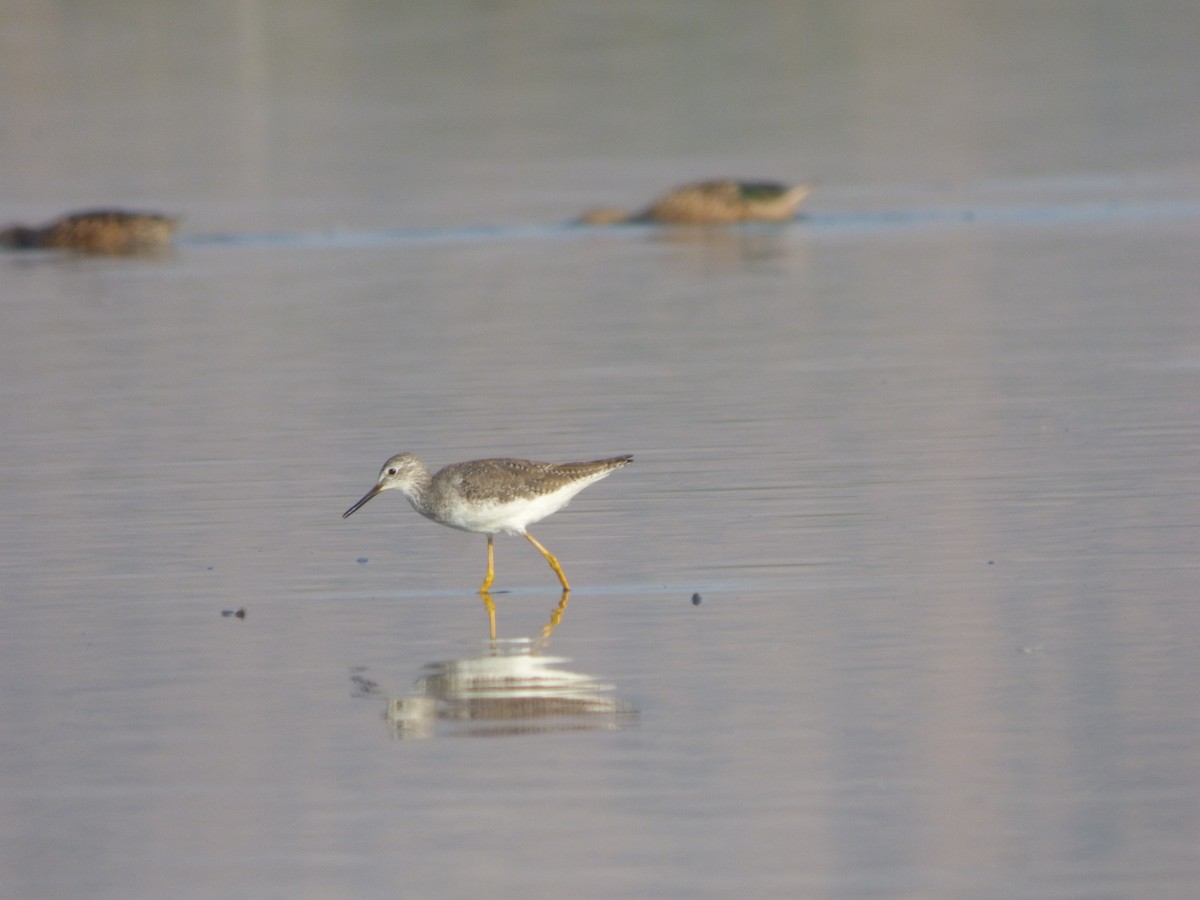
(927,454)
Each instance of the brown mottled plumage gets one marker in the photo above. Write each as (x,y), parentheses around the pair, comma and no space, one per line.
(490,496)
(713,203)
(102,231)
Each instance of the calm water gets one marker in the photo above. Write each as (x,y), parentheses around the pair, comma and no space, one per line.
(928,455)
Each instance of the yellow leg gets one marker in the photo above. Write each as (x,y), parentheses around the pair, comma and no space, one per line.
(490,606)
(556,616)
(491,572)
(550,559)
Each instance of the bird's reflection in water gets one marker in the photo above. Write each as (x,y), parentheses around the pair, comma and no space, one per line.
(509,687)
(729,248)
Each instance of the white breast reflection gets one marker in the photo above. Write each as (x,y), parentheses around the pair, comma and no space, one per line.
(504,687)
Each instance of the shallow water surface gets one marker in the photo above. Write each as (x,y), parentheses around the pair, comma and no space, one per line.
(926,455)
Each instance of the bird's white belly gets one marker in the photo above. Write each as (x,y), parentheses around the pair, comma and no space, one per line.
(508,518)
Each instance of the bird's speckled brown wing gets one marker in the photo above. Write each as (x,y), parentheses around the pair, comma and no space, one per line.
(505,479)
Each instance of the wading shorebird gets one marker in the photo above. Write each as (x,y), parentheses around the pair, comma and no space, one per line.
(713,203)
(490,496)
(104,231)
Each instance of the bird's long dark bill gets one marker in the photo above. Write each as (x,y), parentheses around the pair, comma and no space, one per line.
(371,493)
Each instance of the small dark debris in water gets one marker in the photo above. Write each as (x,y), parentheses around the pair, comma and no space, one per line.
(240,613)
(363,686)
(991,562)
(697,599)
(362,560)
(210,568)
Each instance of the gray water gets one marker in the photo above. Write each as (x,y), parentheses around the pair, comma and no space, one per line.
(927,455)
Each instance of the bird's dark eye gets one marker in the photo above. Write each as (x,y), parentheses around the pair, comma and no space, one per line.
(391,471)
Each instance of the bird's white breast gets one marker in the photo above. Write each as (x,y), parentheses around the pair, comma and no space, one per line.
(512,516)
